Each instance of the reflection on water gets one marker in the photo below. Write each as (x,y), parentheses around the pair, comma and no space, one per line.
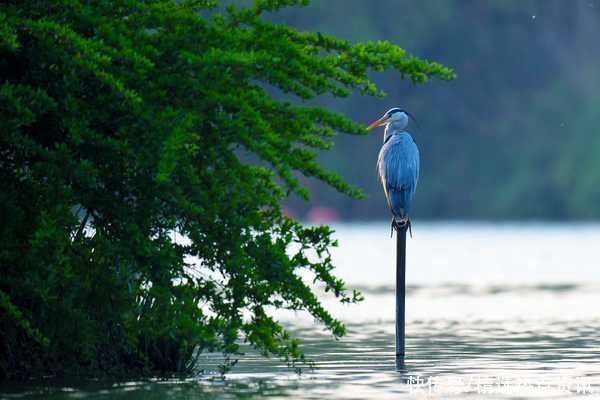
(499,312)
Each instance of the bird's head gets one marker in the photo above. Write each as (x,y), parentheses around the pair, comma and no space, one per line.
(395,117)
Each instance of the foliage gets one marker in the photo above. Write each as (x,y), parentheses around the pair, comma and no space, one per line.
(144,158)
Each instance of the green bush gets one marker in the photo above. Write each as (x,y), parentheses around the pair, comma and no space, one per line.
(127,123)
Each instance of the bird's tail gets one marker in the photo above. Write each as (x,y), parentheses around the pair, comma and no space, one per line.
(399,201)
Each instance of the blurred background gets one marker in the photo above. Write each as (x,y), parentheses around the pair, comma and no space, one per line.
(515,136)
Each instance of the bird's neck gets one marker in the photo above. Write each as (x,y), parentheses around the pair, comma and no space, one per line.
(392,129)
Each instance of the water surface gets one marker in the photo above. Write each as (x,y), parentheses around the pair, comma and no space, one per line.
(495,311)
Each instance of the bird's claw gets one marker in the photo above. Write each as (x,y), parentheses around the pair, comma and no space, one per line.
(398,225)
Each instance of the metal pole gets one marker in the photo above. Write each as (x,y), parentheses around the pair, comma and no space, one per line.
(400,294)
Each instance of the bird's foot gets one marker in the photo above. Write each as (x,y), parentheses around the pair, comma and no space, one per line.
(401,224)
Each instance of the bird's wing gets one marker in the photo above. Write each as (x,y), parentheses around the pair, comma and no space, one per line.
(398,167)
(399,163)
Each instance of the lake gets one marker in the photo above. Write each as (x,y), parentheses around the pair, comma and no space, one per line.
(492,310)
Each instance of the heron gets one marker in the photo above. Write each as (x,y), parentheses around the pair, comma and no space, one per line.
(398,165)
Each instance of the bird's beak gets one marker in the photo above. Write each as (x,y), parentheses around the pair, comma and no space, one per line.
(379,122)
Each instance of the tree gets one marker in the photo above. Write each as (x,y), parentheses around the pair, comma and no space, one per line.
(126,124)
